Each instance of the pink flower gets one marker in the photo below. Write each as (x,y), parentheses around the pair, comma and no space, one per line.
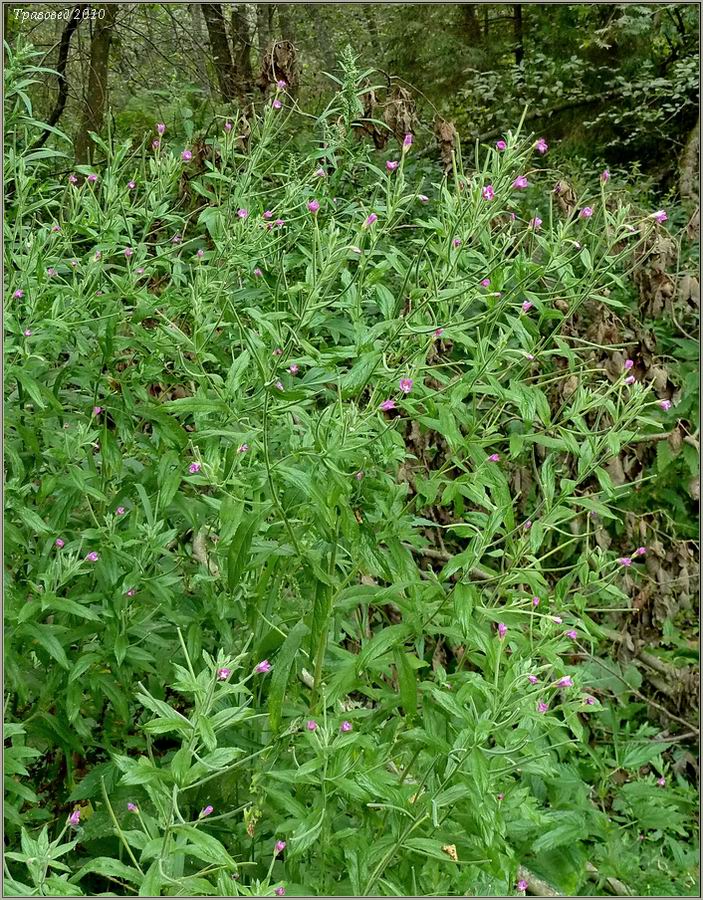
(370,219)
(628,364)
(243,213)
(280,891)
(527,525)
(263,667)
(526,306)
(268,214)
(502,630)
(51,272)
(586,213)
(630,379)
(281,85)
(128,252)
(27,332)
(206,811)
(75,818)
(155,144)
(536,223)
(345,726)
(92,178)
(423,198)
(140,270)
(59,542)
(572,634)
(605,176)
(406,385)
(131,185)
(391,165)
(320,173)
(132,807)
(541,146)
(73,263)
(92,556)
(194,468)
(661,782)
(160,128)
(311,725)
(120,511)
(533,679)
(55,229)
(359,475)
(407,142)
(313,206)
(494,457)
(486,282)
(279,385)
(280,846)
(640,551)
(131,592)
(18,294)
(456,242)
(589,701)
(279,222)
(293,369)
(542,707)
(520,183)
(488,193)
(557,619)
(276,104)
(223,674)
(97,410)
(387,405)
(243,448)
(257,273)
(660,216)
(500,796)
(72,179)
(665,405)
(438,332)
(522,885)
(501,145)
(565,682)
(535,601)
(228,126)
(278,352)
(200,253)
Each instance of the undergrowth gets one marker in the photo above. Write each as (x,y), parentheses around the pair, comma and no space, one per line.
(304,472)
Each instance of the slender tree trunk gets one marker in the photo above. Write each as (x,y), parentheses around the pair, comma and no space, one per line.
(471,24)
(372,26)
(518,34)
(324,41)
(263,30)
(95,101)
(221,54)
(65,45)
(285,21)
(241,48)
(199,43)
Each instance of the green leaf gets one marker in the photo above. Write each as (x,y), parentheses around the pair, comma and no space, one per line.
(105,865)
(281,671)
(238,553)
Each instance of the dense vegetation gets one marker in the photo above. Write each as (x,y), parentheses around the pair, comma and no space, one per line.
(351,460)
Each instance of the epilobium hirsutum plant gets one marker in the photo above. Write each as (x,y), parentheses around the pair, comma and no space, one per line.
(350,453)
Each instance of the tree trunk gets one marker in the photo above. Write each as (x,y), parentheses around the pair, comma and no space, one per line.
(95,101)
(241,48)
(689,167)
(221,54)
(65,45)
(285,21)
(518,34)
(263,30)
(372,25)
(324,41)
(199,42)
(471,24)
